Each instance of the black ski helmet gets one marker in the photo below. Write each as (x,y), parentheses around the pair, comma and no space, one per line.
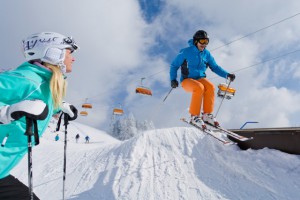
(201,34)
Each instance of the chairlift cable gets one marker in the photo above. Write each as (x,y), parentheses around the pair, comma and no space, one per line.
(252,33)
(264,61)
(267,60)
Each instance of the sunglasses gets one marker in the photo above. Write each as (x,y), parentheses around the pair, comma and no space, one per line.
(203,41)
(71,41)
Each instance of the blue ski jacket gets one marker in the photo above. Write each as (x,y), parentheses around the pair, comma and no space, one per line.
(27,82)
(194,63)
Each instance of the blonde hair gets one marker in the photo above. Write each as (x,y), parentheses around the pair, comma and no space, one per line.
(58,85)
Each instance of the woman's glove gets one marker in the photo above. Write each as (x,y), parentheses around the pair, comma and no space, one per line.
(34,109)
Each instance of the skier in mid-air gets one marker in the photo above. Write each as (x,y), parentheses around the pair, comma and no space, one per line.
(27,91)
(194,60)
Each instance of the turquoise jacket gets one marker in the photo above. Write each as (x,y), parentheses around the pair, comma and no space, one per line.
(194,64)
(26,82)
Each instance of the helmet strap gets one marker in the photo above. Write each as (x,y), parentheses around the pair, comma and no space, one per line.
(62,67)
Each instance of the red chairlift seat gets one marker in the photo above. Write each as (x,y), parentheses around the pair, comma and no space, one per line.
(83,113)
(143,90)
(87,105)
(118,111)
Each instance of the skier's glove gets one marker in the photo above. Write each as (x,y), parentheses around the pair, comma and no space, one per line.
(174,83)
(34,109)
(70,110)
(231,77)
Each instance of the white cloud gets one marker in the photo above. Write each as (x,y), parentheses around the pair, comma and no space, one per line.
(118,48)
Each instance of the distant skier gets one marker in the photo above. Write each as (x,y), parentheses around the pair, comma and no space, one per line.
(28,91)
(77,137)
(194,60)
(56,137)
(87,139)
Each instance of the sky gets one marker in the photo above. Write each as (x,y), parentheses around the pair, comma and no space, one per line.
(171,163)
(124,41)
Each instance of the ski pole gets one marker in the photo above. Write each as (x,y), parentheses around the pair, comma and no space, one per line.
(29,133)
(168,94)
(223,98)
(66,119)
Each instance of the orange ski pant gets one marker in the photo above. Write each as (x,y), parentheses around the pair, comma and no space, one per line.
(202,91)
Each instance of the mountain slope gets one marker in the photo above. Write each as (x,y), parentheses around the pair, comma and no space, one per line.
(174,163)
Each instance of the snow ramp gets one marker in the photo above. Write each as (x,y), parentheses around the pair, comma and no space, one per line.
(183,163)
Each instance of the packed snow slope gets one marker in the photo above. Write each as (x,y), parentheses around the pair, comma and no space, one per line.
(174,163)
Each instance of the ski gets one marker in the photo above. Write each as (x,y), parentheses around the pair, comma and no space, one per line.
(211,133)
(230,133)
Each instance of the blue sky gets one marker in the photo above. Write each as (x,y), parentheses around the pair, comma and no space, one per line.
(151,9)
(123,41)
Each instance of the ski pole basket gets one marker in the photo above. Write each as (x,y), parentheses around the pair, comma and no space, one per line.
(225,91)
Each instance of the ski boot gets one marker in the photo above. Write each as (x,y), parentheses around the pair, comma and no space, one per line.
(210,119)
(198,122)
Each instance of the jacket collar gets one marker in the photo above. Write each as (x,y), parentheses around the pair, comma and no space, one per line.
(42,71)
(195,49)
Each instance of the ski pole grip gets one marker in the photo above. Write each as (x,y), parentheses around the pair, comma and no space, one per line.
(29,123)
(66,119)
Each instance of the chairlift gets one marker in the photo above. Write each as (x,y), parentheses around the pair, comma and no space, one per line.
(143,90)
(118,111)
(86,106)
(83,113)
(225,91)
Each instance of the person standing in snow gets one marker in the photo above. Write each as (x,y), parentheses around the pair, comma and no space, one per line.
(87,139)
(194,60)
(77,137)
(37,87)
(56,137)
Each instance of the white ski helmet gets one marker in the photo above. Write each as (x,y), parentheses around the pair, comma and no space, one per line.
(48,47)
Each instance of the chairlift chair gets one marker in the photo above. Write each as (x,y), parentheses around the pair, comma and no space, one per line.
(83,113)
(118,111)
(225,91)
(143,90)
(87,105)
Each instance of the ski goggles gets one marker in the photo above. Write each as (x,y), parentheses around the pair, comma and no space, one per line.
(70,41)
(204,41)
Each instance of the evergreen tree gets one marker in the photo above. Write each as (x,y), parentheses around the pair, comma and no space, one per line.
(128,127)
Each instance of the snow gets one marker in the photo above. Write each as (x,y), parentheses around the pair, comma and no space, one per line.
(173,163)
